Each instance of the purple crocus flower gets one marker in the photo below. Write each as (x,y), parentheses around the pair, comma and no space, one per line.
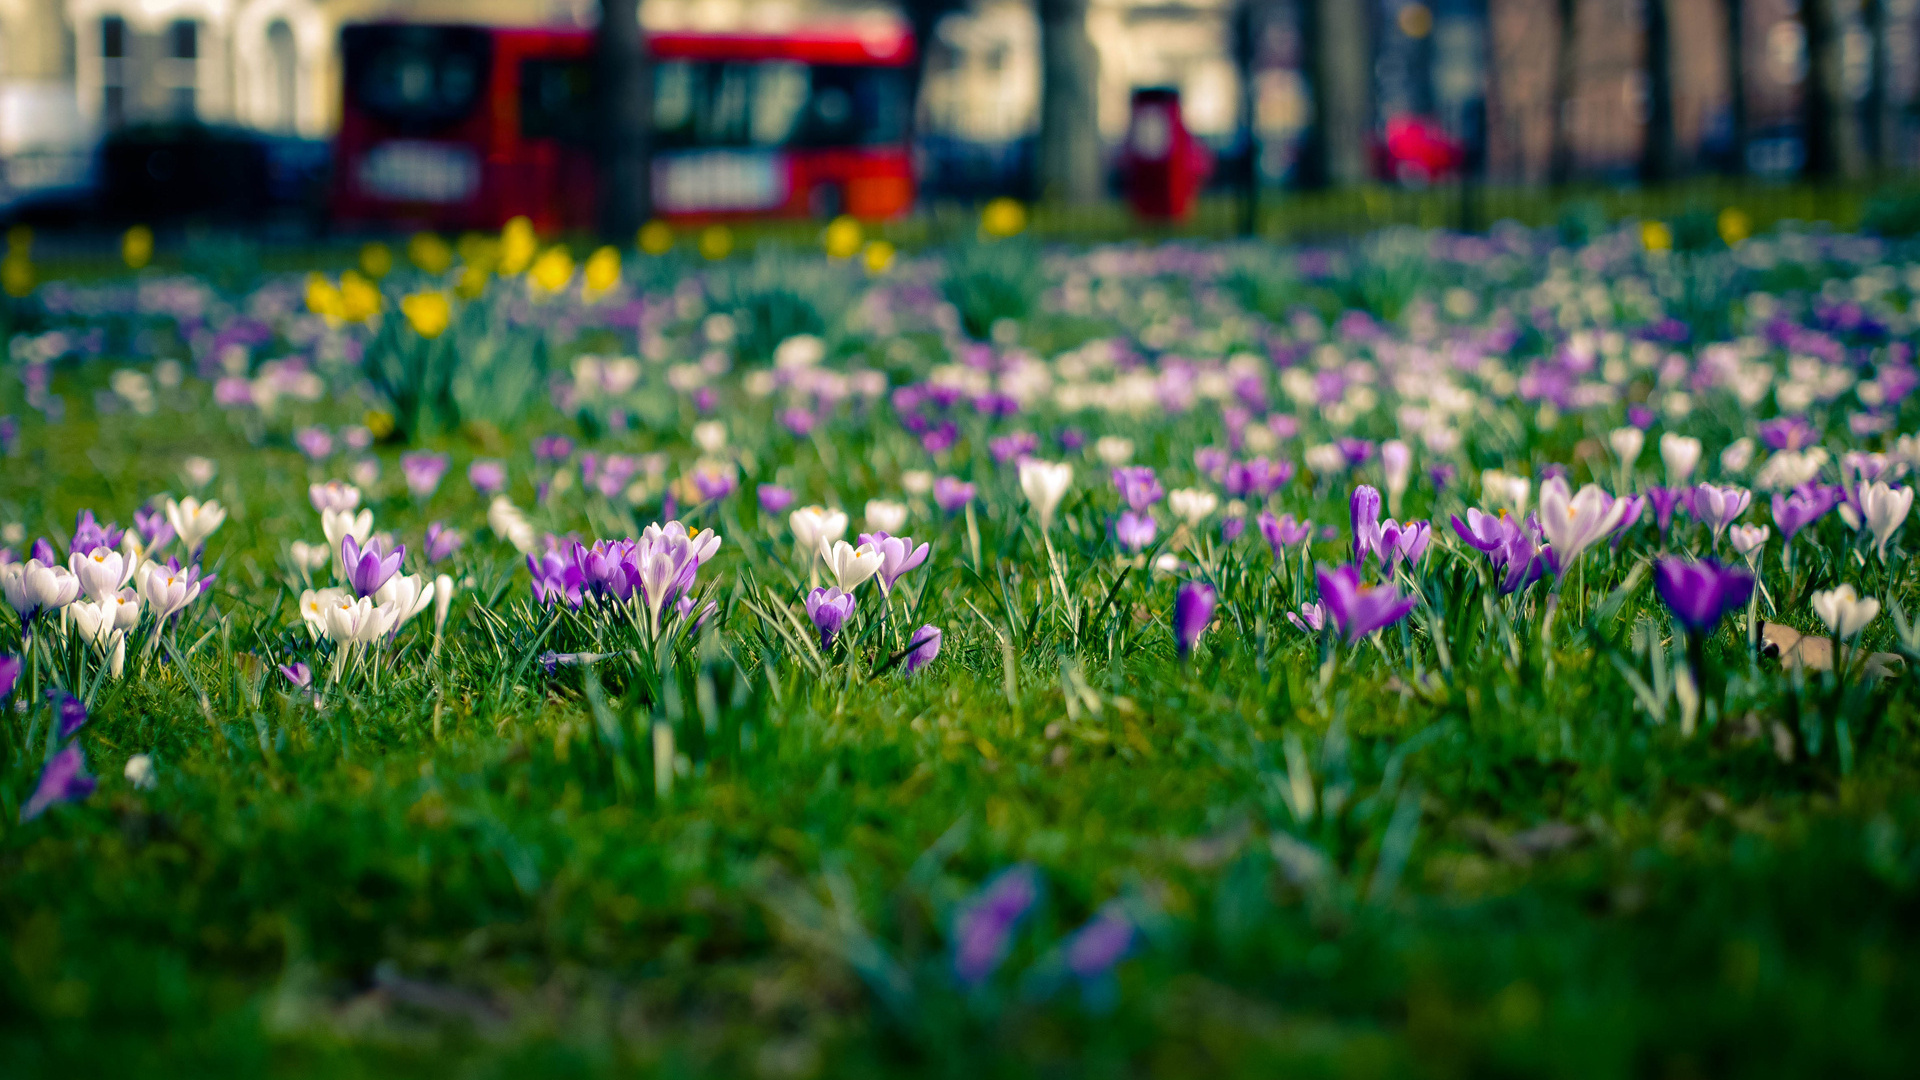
(1283,532)
(952,494)
(1212,462)
(1719,507)
(423,472)
(9,675)
(1134,531)
(1407,542)
(1664,502)
(1700,594)
(556,578)
(1104,941)
(297,673)
(369,568)
(488,477)
(898,555)
(1364,506)
(1788,433)
(1231,527)
(1311,617)
(1640,416)
(1011,447)
(552,449)
(774,499)
(829,609)
(64,779)
(983,932)
(314,442)
(1483,531)
(1358,451)
(1806,505)
(1357,609)
(1258,478)
(1441,475)
(43,551)
(153,527)
(923,647)
(1192,611)
(69,713)
(89,534)
(1139,487)
(441,543)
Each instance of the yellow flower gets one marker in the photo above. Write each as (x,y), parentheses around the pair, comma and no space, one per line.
(473,281)
(603,271)
(716,242)
(376,260)
(842,238)
(1656,236)
(656,237)
(359,298)
(378,422)
(879,257)
(480,250)
(16,274)
(427,312)
(430,253)
(1003,217)
(518,245)
(552,270)
(1735,225)
(323,298)
(136,247)
(20,240)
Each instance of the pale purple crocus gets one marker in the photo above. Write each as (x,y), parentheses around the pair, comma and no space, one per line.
(423,472)
(488,477)
(1719,507)
(1665,500)
(829,608)
(1483,531)
(1358,609)
(1192,612)
(1139,487)
(69,713)
(1134,531)
(1103,942)
(314,442)
(1364,508)
(774,499)
(154,528)
(898,556)
(952,494)
(1806,505)
(1311,618)
(441,543)
(368,568)
(1283,532)
(1399,542)
(983,932)
(923,647)
(552,449)
(1258,478)
(88,534)
(1702,593)
(63,780)
(298,674)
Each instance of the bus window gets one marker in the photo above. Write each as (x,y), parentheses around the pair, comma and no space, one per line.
(776,103)
(556,99)
(417,77)
(855,106)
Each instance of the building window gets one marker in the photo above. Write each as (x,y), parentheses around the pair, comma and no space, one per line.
(283,61)
(113,71)
(183,49)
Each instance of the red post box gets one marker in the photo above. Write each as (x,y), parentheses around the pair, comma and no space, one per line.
(1163,163)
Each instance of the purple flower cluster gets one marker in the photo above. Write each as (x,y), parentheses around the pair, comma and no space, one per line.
(1519,554)
(659,568)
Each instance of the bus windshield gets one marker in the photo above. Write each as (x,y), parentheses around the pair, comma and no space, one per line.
(699,103)
(416,77)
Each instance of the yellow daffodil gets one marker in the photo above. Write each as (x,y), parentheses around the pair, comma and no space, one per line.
(602,272)
(359,298)
(1656,236)
(716,242)
(1003,217)
(323,298)
(427,312)
(430,253)
(518,246)
(842,238)
(656,237)
(1735,225)
(878,257)
(136,247)
(552,270)
(376,260)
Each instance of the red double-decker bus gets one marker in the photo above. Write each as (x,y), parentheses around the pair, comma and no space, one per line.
(458,127)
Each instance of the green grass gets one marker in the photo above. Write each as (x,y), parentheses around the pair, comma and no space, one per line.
(1385,864)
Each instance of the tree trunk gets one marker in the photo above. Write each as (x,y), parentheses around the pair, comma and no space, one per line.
(1822,92)
(1565,79)
(1657,152)
(625,80)
(1737,86)
(1070,161)
(1876,127)
(1340,71)
(1247,25)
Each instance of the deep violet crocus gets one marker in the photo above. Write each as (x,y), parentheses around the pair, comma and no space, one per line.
(1364,507)
(983,932)
(829,608)
(1664,502)
(1192,611)
(1806,505)
(1283,532)
(64,779)
(1702,593)
(70,715)
(1358,609)
(923,647)
(9,675)
(368,568)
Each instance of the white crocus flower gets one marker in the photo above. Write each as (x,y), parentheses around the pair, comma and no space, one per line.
(850,565)
(916,481)
(1735,458)
(360,621)
(194,520)
(167,590)
(1845,612)
(1749,540)
(1628,443)
(1045,483)
(309,557)
(1192,505)
(93,621)
(102,571)
(139,772)
(313,608)
(885,515)
(33,586)
(1572,523)
(710,436)
(1883,509)
(816,525)
(508,522)
(442,602)
(198,471)
(406,594)
(1113,450)
(1681,454)
(333,495)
